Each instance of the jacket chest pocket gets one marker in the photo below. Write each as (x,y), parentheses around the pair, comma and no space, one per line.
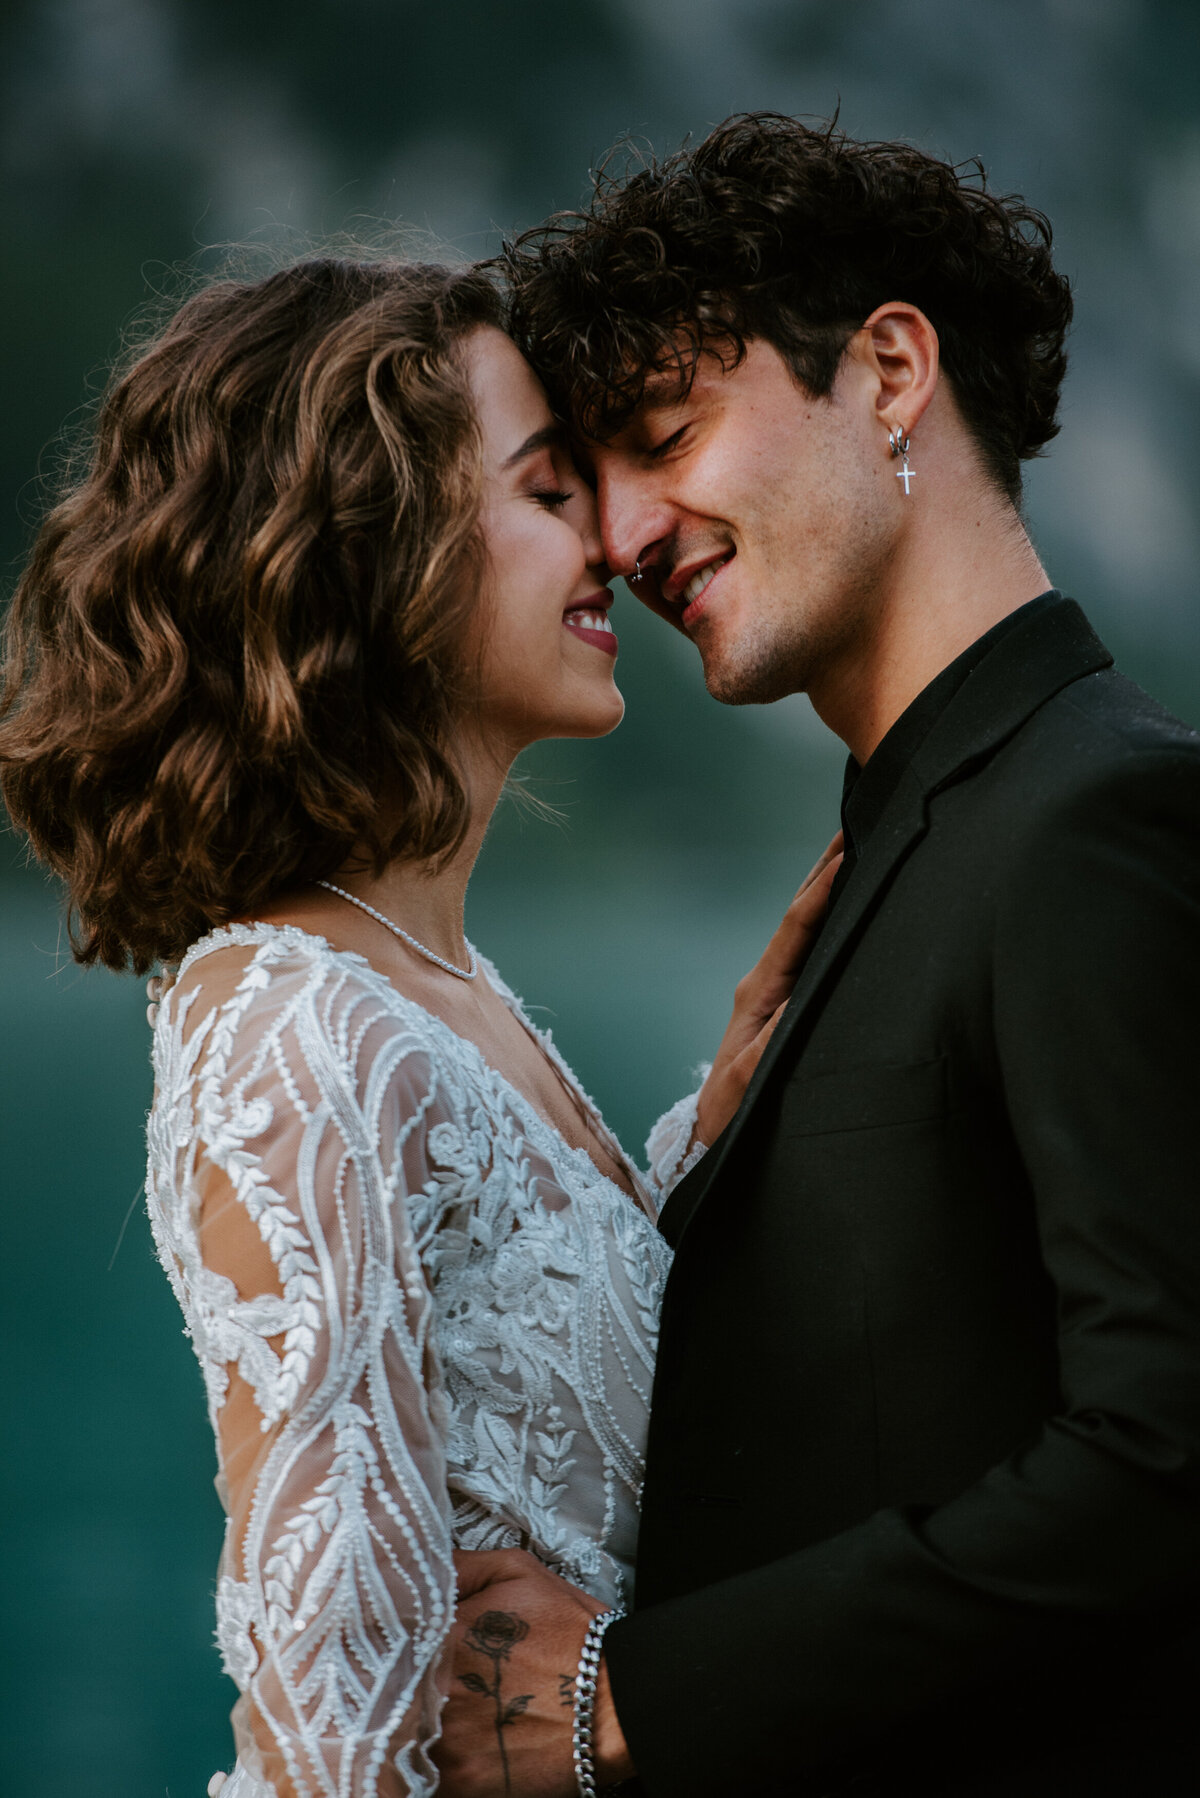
(868,1097)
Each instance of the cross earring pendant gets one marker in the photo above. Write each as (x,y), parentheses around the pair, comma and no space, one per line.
(898,442)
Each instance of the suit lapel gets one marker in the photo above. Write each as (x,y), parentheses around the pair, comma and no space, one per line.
(901,826)
(1028,665)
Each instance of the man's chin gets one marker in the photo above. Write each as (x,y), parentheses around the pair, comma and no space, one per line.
(750,682)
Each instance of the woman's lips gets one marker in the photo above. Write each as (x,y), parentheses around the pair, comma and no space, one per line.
(590,623)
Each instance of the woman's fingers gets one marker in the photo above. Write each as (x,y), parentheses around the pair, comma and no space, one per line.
(806,913)
(836,847)
(762,997)
(768,1029)
(748,1058)
(788,949)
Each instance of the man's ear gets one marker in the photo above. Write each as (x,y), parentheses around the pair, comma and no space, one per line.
(900,347)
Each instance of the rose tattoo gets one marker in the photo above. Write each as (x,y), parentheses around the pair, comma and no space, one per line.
(495,1634)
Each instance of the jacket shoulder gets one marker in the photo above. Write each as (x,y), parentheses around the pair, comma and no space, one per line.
(1117,707)
(1100,729)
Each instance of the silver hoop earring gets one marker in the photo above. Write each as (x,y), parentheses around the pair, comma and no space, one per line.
(898,443)
(637,568)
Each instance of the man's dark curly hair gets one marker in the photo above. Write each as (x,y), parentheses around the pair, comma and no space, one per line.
(771,229)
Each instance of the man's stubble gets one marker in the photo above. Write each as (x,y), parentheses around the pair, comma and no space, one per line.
(804,636)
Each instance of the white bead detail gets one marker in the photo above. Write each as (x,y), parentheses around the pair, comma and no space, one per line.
(467,973)
(426,1226)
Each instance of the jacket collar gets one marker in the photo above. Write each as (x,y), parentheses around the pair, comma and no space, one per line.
(1040,656)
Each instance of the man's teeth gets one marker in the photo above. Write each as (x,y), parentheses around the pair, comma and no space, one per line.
(590,621)
(699,582)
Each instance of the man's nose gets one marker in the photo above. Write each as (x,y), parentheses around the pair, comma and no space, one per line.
(633,519)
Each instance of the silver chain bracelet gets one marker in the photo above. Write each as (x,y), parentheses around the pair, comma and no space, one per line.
(585,1701)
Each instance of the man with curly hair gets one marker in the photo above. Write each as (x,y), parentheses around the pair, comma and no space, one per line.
(922,1503)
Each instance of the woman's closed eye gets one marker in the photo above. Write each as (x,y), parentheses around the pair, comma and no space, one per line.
(552,498)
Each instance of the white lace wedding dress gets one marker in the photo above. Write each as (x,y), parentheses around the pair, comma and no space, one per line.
(441,1333)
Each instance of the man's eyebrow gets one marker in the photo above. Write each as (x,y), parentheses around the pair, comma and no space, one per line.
(662,390)
(551,436)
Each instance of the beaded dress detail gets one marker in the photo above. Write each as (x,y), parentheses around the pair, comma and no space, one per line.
(441,1334)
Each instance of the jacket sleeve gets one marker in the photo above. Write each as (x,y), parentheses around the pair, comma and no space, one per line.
(795,1665)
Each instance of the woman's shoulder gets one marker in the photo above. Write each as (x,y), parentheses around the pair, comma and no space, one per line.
(252,980)
(266,1023)
(250,961)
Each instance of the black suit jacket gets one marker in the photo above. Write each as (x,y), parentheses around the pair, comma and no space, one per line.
(922,1503)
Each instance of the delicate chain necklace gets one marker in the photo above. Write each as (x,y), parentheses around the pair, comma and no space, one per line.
(467,973)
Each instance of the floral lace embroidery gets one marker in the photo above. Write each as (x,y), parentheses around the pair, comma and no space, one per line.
(460,1351)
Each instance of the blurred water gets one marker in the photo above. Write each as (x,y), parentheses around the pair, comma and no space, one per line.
(110,1525)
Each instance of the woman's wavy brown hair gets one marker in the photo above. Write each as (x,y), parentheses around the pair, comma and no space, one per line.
(237,650)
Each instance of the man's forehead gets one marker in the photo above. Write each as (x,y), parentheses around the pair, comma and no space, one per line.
(697,360)
(661,390)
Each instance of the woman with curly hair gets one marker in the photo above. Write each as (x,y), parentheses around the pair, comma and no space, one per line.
(328,570)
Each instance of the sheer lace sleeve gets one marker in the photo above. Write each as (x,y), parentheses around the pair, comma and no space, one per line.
(288,1160)
(673,1147)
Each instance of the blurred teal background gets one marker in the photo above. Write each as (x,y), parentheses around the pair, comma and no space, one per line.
(136,133)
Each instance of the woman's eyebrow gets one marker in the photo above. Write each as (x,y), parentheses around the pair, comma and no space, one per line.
(551,436)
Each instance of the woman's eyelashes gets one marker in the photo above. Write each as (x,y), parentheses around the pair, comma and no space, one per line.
(546,483)
(552,498)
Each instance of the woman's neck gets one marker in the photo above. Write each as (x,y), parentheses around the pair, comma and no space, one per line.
(429,901)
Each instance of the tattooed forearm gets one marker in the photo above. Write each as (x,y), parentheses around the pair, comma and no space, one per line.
(495,1635)
(566,1690)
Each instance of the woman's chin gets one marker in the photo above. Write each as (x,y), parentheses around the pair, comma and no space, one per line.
(596,718)
(604,719)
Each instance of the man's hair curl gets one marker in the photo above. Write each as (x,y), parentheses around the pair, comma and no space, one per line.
(771,229)
(235,652)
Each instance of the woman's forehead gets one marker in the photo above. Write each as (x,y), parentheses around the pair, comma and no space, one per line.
(510,401)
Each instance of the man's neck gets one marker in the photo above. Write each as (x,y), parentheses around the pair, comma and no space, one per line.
(953,577)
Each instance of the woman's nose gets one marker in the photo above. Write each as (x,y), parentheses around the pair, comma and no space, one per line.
(589,532)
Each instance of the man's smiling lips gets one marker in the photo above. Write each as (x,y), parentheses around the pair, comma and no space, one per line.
(589,620)
(688,585)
